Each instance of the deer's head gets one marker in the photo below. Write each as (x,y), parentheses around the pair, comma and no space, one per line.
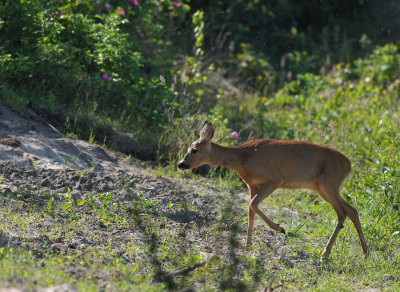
(198,153)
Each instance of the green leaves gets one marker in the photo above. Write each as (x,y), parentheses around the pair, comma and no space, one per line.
(66,49)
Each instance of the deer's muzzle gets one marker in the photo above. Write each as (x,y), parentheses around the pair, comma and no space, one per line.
(183,166)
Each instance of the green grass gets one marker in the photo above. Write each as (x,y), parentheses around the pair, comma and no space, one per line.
(273,259)
(130,266)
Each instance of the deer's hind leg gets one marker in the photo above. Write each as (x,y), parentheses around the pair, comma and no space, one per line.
(331,194)
(353,215)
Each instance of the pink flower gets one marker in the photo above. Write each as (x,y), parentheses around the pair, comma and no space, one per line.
(235,135)
(106,77)
(149,97)
(122,11)
(133,2)
(144,74)
(51,15)
(105,9)
(62,13)
(176,4)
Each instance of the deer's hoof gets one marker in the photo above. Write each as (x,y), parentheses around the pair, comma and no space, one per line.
(324,256)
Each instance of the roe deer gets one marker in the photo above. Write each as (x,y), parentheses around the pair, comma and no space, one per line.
(266,165)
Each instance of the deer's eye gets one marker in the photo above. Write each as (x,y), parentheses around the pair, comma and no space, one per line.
(194,151)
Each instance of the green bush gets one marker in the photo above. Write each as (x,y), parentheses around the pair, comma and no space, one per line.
(81,54)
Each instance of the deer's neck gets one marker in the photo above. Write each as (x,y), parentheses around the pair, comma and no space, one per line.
(225,156)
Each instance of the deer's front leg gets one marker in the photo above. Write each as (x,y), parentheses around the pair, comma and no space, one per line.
(251,214)
(265,191)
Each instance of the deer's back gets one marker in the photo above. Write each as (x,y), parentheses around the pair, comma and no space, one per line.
(291,162)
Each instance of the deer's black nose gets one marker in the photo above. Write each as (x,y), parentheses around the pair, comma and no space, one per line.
(183,166)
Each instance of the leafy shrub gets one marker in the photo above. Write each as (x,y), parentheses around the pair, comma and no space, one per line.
(79,53)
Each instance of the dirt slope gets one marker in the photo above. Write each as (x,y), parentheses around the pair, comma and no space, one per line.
(36,161)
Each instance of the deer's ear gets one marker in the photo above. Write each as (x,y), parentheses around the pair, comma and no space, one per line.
(207,131)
